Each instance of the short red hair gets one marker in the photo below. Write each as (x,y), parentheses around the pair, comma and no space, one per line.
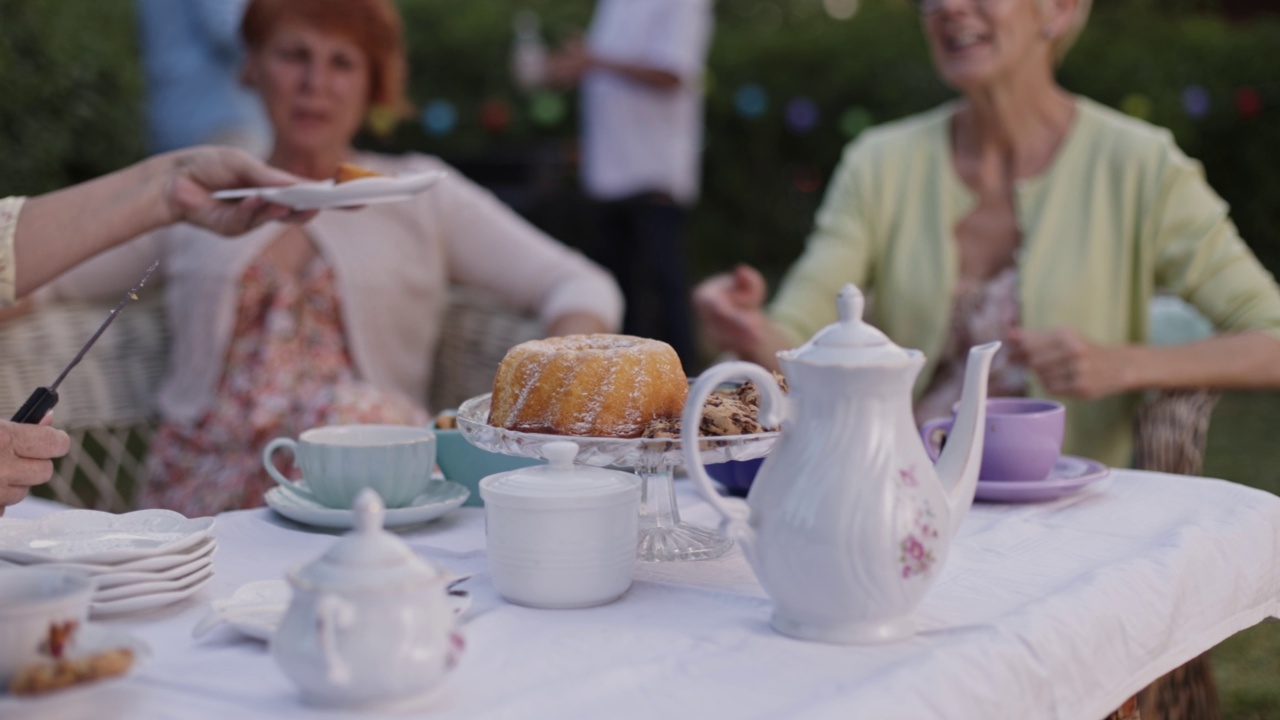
(373,25)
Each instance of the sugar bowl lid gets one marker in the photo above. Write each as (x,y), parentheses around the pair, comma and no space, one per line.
(850,341)
(368,557)
(559,483)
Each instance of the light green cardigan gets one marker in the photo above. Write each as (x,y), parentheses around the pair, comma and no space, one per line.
(1120,212)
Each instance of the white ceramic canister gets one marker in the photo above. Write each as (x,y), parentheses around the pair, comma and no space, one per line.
(561,535)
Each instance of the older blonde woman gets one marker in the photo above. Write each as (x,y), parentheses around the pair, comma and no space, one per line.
(1024,213)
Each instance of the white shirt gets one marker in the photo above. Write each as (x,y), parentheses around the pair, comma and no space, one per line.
(636,138)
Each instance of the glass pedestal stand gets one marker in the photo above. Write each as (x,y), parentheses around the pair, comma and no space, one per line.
(664,537)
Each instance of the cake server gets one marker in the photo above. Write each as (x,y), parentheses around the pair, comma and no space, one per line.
(44,398)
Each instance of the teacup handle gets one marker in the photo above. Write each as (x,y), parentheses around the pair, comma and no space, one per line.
(771,412)
(927,433)
(283,481)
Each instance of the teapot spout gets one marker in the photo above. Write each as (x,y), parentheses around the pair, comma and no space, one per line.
(961,460)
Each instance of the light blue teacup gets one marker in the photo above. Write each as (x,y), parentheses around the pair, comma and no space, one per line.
(339,461)
(467,465)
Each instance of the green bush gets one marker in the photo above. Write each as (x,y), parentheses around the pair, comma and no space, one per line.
(70,92)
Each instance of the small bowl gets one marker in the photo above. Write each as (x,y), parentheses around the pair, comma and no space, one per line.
(31,600)
(736,475)
(467,465)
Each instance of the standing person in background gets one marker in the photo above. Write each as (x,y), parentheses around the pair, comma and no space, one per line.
(640,71)
(191,54)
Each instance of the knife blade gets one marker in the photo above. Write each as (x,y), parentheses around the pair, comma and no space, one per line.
(44,398)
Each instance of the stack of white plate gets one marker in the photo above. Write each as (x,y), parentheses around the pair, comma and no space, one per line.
(140,560)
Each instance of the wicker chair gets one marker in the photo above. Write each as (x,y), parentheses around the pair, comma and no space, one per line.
(1170,434)
(107,404)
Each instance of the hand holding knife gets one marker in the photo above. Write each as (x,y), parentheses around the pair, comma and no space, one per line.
(44,398)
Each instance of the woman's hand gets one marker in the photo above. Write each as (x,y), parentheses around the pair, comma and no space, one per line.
(26,457)
(193,175)
(1069,365)
(731,308)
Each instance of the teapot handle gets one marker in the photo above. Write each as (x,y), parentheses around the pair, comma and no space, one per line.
(333,614)
(771,413)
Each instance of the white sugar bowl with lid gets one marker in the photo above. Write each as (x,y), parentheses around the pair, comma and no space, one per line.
(369,623)
(561,535)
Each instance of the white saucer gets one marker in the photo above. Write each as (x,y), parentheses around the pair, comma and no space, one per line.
(93,537)
(154,587)
(157,564)
(147,602)
(328,194)
(109,580)
(256,609)
(441,498)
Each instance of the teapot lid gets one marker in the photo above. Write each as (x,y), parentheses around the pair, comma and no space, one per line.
(850,340)
(369,557)
(558,483)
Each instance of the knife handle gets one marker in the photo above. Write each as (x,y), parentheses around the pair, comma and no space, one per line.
(36,406)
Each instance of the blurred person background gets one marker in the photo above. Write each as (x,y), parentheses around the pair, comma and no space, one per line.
(639,71)
(192,58)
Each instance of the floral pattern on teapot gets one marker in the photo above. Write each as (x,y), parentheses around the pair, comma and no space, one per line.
(917,556)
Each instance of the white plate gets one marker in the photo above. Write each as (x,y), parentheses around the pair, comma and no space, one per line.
(146,602)
(94,538)
(328,194)
(154,587)
(129,579)
(255,609)
(91,639)
(440,499)
(147,567)
(116,579)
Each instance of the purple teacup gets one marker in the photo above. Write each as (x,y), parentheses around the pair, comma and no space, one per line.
(1023,438)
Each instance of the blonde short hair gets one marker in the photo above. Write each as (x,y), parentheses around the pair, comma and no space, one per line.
(1063,43)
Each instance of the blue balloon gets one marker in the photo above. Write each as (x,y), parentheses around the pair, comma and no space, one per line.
(439,117)
(751,100)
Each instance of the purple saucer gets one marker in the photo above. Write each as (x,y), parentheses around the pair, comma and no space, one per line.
(1070,474)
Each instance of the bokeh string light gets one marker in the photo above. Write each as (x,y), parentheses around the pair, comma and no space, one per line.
(439,117)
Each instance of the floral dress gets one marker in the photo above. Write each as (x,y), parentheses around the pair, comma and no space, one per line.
(980,313)
(287,369)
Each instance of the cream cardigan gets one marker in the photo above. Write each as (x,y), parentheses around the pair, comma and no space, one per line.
(394,264)
(1120,212)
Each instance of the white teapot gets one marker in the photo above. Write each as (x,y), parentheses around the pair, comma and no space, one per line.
(369,623)
(848,522)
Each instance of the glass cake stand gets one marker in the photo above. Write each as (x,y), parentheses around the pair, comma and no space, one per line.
(664,537)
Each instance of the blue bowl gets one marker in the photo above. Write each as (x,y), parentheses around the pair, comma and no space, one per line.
(736,475)
(467,465)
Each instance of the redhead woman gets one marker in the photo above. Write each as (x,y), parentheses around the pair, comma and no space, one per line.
(335,321)
(1024,213)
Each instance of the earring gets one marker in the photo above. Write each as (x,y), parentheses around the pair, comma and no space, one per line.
(1048,33)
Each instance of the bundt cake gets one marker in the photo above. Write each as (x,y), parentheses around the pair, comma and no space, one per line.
(588,385)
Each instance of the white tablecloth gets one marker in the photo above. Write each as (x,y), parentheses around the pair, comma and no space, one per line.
(1059,610)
